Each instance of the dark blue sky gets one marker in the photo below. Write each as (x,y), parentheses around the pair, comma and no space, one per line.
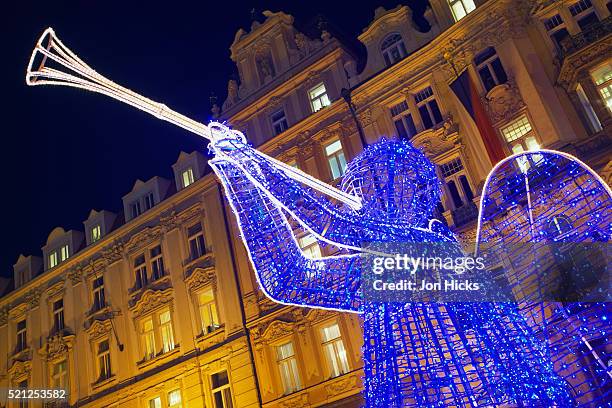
(66,151)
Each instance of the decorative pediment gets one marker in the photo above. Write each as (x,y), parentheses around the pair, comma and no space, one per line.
(434,142)
(503,102)
(20,370)
(319,315)
(143,237)
(113,253)
(299,401)
(151,300)
(313,78)
(18,311)
(4,313)
(200,278)
(175,219)
(57,347)
(341,386)
(57,289)
(99,329)
(277,330)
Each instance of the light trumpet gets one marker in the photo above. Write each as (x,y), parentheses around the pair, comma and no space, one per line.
(50,55)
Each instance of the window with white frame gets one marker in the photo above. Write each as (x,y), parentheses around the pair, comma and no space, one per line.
(103,360)
(287,366)
(428,108)
(519,135)
(195,237)
(22,335)
(135,209)
(157,263)
(318,97)
(490,69)
(393,49)
(583,13)
(165,328)
(602,77)
(141,278)
(53,260)
(461,8)
(187,177)
(95,233)
(99,298)
(149,201)
(456,183)
(335,352)
(221,390)
(279,121)
(309,245)
(402,118)
(59,375)
(155,402)
(207,306)
(58,315)
(64,253)
(557,30)
(335,158)
(174,399)
(148,338)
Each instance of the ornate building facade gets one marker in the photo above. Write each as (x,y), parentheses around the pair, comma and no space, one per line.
(158,306)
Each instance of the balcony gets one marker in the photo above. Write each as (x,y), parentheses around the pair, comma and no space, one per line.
(590,35)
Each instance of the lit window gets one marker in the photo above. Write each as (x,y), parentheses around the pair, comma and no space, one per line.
(490,69)
(148,338)
(165,327)
(96,233)
(208,311)
(603,81)
(22,332)
(157,263)
(335,159)
(135,209)
(517,129)
(149,201)
(99,299)
(195,236)
(428,108)
(104,362)
(53,259)
(335,353)
(461,8)
(187,177)
(287,366)
(155,403)
(140,272)
(221,391)
(555,26)
(591,116)
(456,183)
(310,247)
(279,121)
(59,375)
(393,49)
(318,97)
(402,118)
(174,399)
(58,315)
(64,253)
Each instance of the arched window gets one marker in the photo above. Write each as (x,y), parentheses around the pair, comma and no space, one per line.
(558,225)
(393,49)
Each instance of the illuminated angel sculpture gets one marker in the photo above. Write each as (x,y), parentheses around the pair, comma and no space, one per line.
(415,354)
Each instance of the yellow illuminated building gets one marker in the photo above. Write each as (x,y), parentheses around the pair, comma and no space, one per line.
(157,306)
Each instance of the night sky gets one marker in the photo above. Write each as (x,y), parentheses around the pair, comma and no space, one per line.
(67,151)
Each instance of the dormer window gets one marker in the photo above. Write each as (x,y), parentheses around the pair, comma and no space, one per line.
(53,259)
(318,97)
(187,177)
(461,8)
(149,201)
(393,49)
(135,209)
(95,233)
(64,253)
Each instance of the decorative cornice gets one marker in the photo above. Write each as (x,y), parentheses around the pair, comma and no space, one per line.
(113,252)
(4,314)
(299,401)
(341,386)
(20,370)
(99,329)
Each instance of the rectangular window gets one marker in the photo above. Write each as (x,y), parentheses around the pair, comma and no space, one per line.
(64,253)
(149,201)
(461,8)
(555,26)
(23,402)
(520,137)
(174,399)
(187,177)
(165,328)
(99,299)
(157,263)
(58,315)
(580,7)
(22,331)
(148,338)
(279,122)
(59,375)
(335,159)
(593,120)
(135,209)
(310,247)
(96,233)
(456,184)
(208,311)
(335,353)
(195,236)
(318,97)
(287,365)
(221,391)
(53,259)
(155,403)
(140,272)
(402,118)
(490,69)
(516,129)
(104,362)
(428,108)
(602,77)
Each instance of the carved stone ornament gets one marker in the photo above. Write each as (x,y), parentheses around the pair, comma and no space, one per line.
(75,274)
(4,313)
(176,219)
(503,102)
(299,401)
(341,386)
(99,329)
(20,370)
(142,238)
(312,79)
(57,347)
(151,300)
(17,311)
(318,315)
(201,277)
(434,142)
(32,298)
(57,289)
(113,253)
(276,330)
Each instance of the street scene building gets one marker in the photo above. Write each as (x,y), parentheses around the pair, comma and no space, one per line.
(157,306)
